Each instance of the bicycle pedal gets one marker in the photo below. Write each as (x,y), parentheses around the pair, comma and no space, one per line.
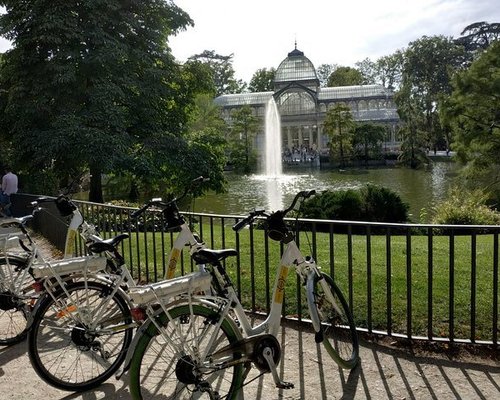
(285,385)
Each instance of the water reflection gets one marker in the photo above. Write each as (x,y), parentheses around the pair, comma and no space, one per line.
(419,188)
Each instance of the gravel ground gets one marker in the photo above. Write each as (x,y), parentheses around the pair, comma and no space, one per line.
(386,371)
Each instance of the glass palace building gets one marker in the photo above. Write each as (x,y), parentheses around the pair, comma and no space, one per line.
(303,104)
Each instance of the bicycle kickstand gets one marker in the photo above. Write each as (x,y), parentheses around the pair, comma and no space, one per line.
(268,356)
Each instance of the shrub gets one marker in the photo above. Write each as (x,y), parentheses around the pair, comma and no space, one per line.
(369,203)
(383,205)
(465,208)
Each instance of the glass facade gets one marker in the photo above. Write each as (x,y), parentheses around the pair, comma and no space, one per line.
(303,104)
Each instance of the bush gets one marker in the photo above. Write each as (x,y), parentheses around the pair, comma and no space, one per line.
(465,208)
(369,203)
(383,205)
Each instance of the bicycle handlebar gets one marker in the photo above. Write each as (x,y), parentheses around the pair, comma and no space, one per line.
(304,194)
(159,202)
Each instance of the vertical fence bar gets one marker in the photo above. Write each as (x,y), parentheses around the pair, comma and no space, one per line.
(408,285)
(451,295)
(252,266)
(163,247)
(146,247)
(388,260)
(430,280)
(155,264)
(266,265)
(238,262)
(349,267)
(495,289)
(212,241)
(331,248)
(369,278)
(473,288)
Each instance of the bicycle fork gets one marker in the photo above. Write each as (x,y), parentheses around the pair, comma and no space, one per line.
(312,277)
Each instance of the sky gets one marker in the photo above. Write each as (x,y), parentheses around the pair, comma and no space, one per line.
(260,33)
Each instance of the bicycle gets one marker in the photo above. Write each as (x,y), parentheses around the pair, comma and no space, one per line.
(19,290)
(81,330)
(205,346)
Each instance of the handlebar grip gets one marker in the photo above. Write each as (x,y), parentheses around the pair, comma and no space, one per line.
(309,193)
(241,224)
(138,212)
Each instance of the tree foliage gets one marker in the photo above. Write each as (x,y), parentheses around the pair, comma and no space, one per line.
(93,85)
(368,138)
(323,71)
(345,76)
(473,113)
(241,139)
(339,126)
(223,74)
(262,80)
(477,37)
(429,64)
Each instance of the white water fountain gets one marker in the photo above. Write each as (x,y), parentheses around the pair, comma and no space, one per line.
(272,153)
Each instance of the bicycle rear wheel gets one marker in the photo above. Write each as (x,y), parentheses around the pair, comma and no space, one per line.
(16,299)
(180,362)
(74,343)
(338,330)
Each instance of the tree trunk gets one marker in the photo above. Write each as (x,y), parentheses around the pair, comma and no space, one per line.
(95,193)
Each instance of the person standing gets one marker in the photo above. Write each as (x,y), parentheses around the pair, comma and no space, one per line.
(9,186)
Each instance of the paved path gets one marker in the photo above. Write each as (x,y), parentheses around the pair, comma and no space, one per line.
(385,372)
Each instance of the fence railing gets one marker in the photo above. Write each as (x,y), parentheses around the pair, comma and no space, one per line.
(417,281)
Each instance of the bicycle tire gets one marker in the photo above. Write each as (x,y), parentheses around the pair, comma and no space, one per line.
(339,334)
(159,367)
(64,350)
(16,300)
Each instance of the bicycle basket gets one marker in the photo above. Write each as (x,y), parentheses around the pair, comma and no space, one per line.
(65,206)
(173,219)
(276,228)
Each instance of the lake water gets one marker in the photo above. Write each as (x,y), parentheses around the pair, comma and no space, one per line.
(419,188)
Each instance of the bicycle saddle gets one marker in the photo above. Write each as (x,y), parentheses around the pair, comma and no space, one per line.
(107,244)
(208,256)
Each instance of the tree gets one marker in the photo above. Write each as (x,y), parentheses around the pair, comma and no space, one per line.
(94,85)
(242,134)
(345,76)
(222,72)
(388,70)
(411,112)
(323,72)
(429,64)
(262,80)
(368,137)
(339,126)
(477,37)
(472,112)
(367,68)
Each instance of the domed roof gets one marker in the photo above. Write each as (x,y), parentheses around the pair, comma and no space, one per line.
(296,67)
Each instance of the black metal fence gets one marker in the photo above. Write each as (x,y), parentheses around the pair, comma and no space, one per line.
(415,281)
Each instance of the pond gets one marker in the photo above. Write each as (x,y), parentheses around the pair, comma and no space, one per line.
(419,188)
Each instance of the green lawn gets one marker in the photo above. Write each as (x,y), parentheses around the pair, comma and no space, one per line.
(363,273)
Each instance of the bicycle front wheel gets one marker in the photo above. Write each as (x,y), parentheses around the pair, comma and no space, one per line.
(75,342)
(16,299)
(180,361)
(337,324)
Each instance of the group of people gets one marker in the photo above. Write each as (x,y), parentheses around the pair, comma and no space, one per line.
(9,187)
(300,154)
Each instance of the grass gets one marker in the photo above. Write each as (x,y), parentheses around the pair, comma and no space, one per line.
(403,278)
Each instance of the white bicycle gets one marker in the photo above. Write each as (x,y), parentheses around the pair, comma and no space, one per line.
(19,256)
(82,327)
(205,346)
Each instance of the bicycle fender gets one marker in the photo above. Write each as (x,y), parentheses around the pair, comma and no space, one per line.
(145,326)
(313,310)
